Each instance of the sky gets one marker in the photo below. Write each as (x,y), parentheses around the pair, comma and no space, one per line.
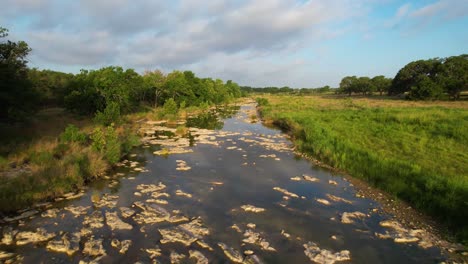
(252,42)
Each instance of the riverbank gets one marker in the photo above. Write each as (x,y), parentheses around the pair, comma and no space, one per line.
(57,154)
(411,150)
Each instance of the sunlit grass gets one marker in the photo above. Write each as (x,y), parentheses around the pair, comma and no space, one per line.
(414,150)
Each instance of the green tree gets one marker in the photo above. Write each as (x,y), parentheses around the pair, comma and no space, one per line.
(155,82)
(381,84)
(17,98)
(453,75)
(348,85)
(408,77)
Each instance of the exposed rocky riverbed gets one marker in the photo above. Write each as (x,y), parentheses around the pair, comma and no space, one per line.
(227,190)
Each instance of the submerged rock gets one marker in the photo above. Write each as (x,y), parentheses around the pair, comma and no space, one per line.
(127,212)
(8,236)
(285,192)
(122,246)
(198,256)
(182,166)
(114,222)
(236,227)
(176,257)
(332,182)
(10,258)
(93,247)
(151,214)
(182,193)
(204,245)
(403,235)
(310,178)
(51,213)
(154,252)
(322,201)
(94,220)
(22,216)
(255,238)
(77,210)
(231,253)
(68,243)
(349,217)
(107,200)
(174,235)
(323,256)
(26,237)
(196,228)
(338,199)
(253,209)
(149,188)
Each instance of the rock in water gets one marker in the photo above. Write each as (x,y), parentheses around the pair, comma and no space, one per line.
(348,218)
(201,259)
(251,208)
(114,222)
(68,243)
(93,247)
(95,220)
(176,257)
(122,246)
(323,256)
(231,253)
(41,235)
(174,234)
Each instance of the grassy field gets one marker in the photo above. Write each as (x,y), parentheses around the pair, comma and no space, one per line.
(414,150)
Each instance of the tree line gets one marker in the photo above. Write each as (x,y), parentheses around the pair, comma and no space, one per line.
(108,91)
(439,78)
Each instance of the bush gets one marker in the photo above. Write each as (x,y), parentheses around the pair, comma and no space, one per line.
(111,114)
(170,108)
(73,134)
(262,101)
(106,141)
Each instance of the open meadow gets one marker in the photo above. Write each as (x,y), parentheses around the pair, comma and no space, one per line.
(416,151)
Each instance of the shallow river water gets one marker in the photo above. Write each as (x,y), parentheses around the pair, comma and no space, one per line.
(233,193)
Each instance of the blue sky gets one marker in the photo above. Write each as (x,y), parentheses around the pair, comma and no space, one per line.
(253,42)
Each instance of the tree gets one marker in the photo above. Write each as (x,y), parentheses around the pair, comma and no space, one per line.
(17,98)
(409,76)
(348,84)
(381,84)
(453,75)
(155,82)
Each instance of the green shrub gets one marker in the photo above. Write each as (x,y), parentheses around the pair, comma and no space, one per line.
(73,134)
(262,101)
(170,108)
(106,141)
(110,115)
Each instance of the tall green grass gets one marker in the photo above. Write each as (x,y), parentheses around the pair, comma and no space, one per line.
(418,154)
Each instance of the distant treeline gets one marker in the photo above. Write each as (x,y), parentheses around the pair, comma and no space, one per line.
(109,91)
(439,78)
(286,89)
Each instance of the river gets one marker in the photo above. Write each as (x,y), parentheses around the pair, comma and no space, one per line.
(235,192)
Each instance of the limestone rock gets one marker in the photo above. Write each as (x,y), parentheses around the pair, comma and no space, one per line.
(93,247)
(122,246)
(231,253)
(349,217)
(114,222)
(68,243)
(253,209)
(198,256)
(323,256)
(94,220)
(26,237)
